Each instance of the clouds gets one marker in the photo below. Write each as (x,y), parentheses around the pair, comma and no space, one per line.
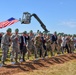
(71,24)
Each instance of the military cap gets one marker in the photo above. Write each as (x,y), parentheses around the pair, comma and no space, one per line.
(9,30)
(25,32)
(39,32)
(31,31)
(55,32)
(17,30)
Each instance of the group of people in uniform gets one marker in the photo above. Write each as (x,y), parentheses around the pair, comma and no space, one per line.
(38,44)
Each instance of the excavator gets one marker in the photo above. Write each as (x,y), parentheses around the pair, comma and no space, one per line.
(26,19)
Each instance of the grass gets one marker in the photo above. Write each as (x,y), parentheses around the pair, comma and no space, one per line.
(26,57)
(68,68)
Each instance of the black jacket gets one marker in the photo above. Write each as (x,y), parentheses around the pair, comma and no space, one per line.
(54,38)
(22,42)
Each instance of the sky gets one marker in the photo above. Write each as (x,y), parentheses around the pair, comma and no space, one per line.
(57,15)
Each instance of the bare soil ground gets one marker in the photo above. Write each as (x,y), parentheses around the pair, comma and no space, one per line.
(29,66)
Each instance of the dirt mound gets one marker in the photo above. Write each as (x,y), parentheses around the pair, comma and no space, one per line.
(36,64)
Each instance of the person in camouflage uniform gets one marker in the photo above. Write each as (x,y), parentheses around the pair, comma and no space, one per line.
(44,35)
(5,43)
(59,41)
(48,43)
(38,46)
(71,44)
(30,45)
(68,44)
(15,45)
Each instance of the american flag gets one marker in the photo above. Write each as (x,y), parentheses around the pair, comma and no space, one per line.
(8,22)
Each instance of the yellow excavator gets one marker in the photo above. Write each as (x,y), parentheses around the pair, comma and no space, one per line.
(26,19)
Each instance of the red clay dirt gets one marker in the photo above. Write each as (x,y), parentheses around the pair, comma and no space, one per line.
(36,64)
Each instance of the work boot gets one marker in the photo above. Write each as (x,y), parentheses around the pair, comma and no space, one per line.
(11,60)
(23,60)
(3,63)
(16,63)
(16,60)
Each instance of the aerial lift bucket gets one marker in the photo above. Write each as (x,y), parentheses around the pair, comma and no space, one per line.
(26,18)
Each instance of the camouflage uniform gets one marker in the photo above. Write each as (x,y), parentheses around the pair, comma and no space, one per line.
(59,41)
(72,44)
(48,45)
(68,44)
(30,46)
(38,46)
(15,46)
(5,43)
(44,35)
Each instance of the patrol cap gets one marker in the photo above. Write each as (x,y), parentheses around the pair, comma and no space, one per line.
(31,31)
(17,30)
(9,30)
(25,32)
(55,32)
(39,32)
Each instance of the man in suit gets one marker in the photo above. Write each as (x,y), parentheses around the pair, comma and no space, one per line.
(54,42)
(30,45)
(23,44)
(54,38)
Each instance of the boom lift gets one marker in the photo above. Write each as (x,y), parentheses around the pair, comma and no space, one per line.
(26,19)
